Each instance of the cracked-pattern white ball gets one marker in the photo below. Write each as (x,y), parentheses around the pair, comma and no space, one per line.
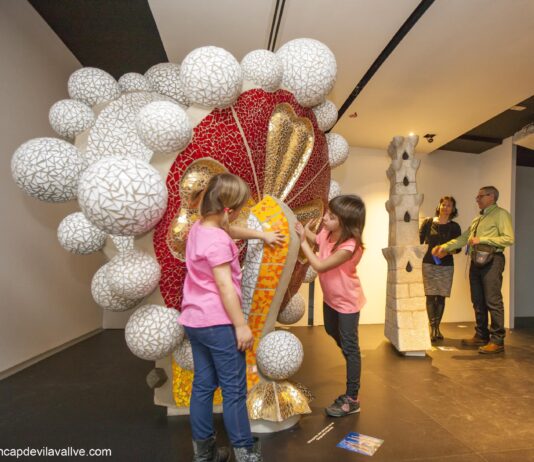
(338,149)
(183,355)
(326,115)
(122,196)
(132,81)
(311,274)
(48,169)
(293,311)
(279,355)
(153,332)
(115,132)
(105,297)
(164,127)
(263,68)
(335,190)
(211,77)
(92,86)
(78,235)
(133,274)
(69,118)
(165,79)
(309,70)
(122,243)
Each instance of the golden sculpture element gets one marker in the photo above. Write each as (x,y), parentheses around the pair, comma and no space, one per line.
(290,142)
(182,386)
(278,401)
(194,180)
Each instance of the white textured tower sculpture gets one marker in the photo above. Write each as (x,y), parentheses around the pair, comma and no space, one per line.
(406,319)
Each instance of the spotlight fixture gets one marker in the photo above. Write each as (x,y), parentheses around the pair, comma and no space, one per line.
(353,115)
(430,137)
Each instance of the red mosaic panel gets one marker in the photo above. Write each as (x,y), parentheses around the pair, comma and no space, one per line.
(218,137)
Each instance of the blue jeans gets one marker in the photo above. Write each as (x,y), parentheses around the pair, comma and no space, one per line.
(219,362)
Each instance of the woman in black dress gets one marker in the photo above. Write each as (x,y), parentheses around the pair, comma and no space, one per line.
(437,274)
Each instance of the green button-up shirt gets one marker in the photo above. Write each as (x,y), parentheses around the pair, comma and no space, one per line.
(494,228)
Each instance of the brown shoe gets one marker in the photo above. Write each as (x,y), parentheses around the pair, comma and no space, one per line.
(491,348)
(474,341)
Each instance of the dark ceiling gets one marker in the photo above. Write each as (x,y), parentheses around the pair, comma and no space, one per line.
(121,36)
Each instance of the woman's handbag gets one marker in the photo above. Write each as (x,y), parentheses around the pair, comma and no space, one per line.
(482,254)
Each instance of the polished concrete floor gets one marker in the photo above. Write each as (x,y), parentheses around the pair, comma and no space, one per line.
(453,405)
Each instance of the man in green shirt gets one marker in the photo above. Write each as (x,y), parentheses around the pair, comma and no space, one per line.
(492,227)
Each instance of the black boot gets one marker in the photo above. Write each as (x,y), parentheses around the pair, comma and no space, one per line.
(206,451)
(440,309)
(252,454)
(431,312)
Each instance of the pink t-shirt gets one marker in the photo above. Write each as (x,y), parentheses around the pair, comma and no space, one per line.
(206,248)
(341,285)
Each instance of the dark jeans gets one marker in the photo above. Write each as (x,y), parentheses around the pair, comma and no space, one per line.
(486,283)
(219,362)
(343,328)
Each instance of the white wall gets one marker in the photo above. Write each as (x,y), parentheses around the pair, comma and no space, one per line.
(524,247)
(46,298)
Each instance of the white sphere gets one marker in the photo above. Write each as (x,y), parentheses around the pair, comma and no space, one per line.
(335,190)
(183,355)
(105,297)
(293,311)
(309,70)
(48,169)
(263,68)
(122,196)
(78,235)
(279,355)
(133,274)
(69,118)
(115,132)
(123,243)
(132,81)
(92,86)
(338,149)
(153,332)
(164,127)
(211,77)
(311,274)
(165,79)
(326,115)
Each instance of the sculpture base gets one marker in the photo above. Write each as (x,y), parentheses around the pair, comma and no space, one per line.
(266,426)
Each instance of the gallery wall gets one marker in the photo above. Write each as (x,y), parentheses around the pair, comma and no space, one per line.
(46,299)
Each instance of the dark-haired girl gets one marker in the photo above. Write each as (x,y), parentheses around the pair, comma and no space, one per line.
(438,273)
(340,250)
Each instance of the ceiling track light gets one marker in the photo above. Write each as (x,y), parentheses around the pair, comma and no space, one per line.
(429,137)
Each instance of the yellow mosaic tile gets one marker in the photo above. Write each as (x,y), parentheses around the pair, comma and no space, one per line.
(182,386)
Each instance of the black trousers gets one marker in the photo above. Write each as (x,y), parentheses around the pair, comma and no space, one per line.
(343,328)
(486,295)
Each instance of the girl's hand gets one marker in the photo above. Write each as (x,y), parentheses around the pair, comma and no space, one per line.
(300,230)
(439,252)
(273,238)
(244,337)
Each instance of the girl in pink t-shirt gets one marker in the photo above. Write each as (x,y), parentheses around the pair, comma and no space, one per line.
(213,319)
(340,250)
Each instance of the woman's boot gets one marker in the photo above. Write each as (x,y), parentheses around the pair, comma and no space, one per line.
(440,309)
(206,451)
(431,312)
(252,454)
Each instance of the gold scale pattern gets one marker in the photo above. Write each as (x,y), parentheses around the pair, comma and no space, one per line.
(278,401)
